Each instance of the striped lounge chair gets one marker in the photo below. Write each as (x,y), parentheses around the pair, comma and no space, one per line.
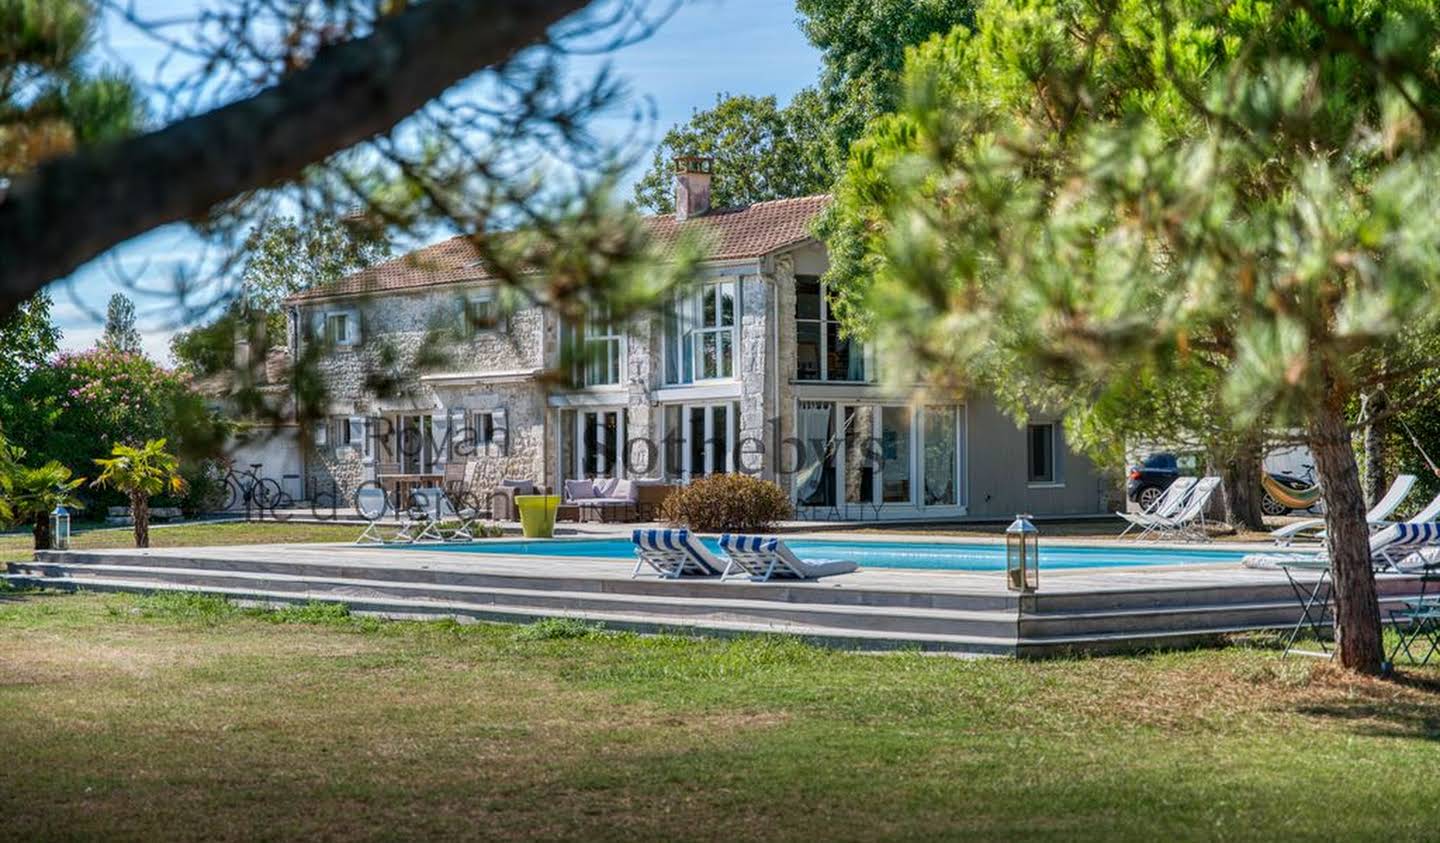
(673,554)
(762,558)
(1390,548)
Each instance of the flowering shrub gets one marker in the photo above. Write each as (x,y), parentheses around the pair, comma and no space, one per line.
(82,404)
(727,503)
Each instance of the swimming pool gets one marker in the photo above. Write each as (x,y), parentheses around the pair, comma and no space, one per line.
(884,554)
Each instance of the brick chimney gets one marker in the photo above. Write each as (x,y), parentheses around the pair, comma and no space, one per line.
(692,185)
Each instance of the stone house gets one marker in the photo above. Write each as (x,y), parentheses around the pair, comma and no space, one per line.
(745,372)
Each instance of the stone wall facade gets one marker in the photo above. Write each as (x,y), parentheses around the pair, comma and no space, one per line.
(413,357)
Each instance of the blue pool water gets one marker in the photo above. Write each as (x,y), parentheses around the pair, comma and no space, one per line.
(888,554)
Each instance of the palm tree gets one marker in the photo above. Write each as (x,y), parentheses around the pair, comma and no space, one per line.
(34,493)
(140,473)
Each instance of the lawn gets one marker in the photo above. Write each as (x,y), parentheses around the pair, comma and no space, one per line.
(186,717)
(18,546)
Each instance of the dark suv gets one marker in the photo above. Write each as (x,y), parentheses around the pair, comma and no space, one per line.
(1150,479)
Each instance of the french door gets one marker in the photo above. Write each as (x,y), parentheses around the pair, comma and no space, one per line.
(700,439)
(591,443)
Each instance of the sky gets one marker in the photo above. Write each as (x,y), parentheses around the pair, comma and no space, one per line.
(708,47)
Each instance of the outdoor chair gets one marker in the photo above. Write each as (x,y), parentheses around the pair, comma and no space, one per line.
(762,558)
(1406,547)
(1313,528)
(371,504)
(420,521)
(1187,524)
(673,554)
(1166,506)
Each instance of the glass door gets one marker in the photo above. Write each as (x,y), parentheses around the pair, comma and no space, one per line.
(699,439)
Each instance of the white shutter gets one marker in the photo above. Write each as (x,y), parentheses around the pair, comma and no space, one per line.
(462,438)
(317,326)
(352,327)
(440,440)
(322,432)
(502,431)
(355,433)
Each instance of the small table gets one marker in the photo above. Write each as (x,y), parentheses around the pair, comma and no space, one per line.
(1314,604)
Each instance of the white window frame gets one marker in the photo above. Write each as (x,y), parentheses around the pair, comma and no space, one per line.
(352,327)
(581,449)
(686,328)
(916,502)
(685,472)
(823,324)
(598,339)
(426,432)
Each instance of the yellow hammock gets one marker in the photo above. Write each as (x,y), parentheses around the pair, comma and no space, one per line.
(1288,497)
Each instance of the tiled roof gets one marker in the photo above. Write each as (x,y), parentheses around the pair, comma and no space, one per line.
(750,231)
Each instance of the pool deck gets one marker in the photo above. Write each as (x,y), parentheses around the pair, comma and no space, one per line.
(1075,610)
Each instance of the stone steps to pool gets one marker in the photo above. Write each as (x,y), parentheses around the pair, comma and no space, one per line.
(990,624)
(841,612)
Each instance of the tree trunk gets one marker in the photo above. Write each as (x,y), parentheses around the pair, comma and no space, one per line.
(1357,609)
(41,531)
(140,511)
(1373,406)
(1241,476)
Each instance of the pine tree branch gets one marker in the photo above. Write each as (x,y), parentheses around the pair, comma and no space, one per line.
(74,208)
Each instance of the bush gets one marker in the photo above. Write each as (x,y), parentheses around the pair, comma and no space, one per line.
(727,503)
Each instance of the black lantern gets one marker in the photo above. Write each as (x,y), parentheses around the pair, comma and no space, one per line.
(1022,555)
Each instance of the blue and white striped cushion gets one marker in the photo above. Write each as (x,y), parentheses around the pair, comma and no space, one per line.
(1415,535)
(674,541)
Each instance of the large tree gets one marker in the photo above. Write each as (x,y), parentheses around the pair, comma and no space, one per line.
(761,152)
(765,151)
(120,331)
(862,47)
(1080,192)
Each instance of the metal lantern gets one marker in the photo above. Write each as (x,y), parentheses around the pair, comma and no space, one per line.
(60,529)
(1022,555)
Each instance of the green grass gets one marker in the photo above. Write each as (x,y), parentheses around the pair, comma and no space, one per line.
(15,547)
(189,717)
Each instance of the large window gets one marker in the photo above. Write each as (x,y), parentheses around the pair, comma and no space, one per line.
(699,439)
(941,480)
(700,334)
(592,443)
(821,354)
(870,456)
(597,350)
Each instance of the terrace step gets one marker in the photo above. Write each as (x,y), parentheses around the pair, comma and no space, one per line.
(1089,614)
(404,609)
(895,619)
(305,563)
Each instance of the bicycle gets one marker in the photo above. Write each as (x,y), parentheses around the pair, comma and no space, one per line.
(249,488)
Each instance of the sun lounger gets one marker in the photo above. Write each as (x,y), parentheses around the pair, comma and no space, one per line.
(1311,528)
(762,558)
(1189,522)
(673,554)
(1402,547)
(1167,505)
